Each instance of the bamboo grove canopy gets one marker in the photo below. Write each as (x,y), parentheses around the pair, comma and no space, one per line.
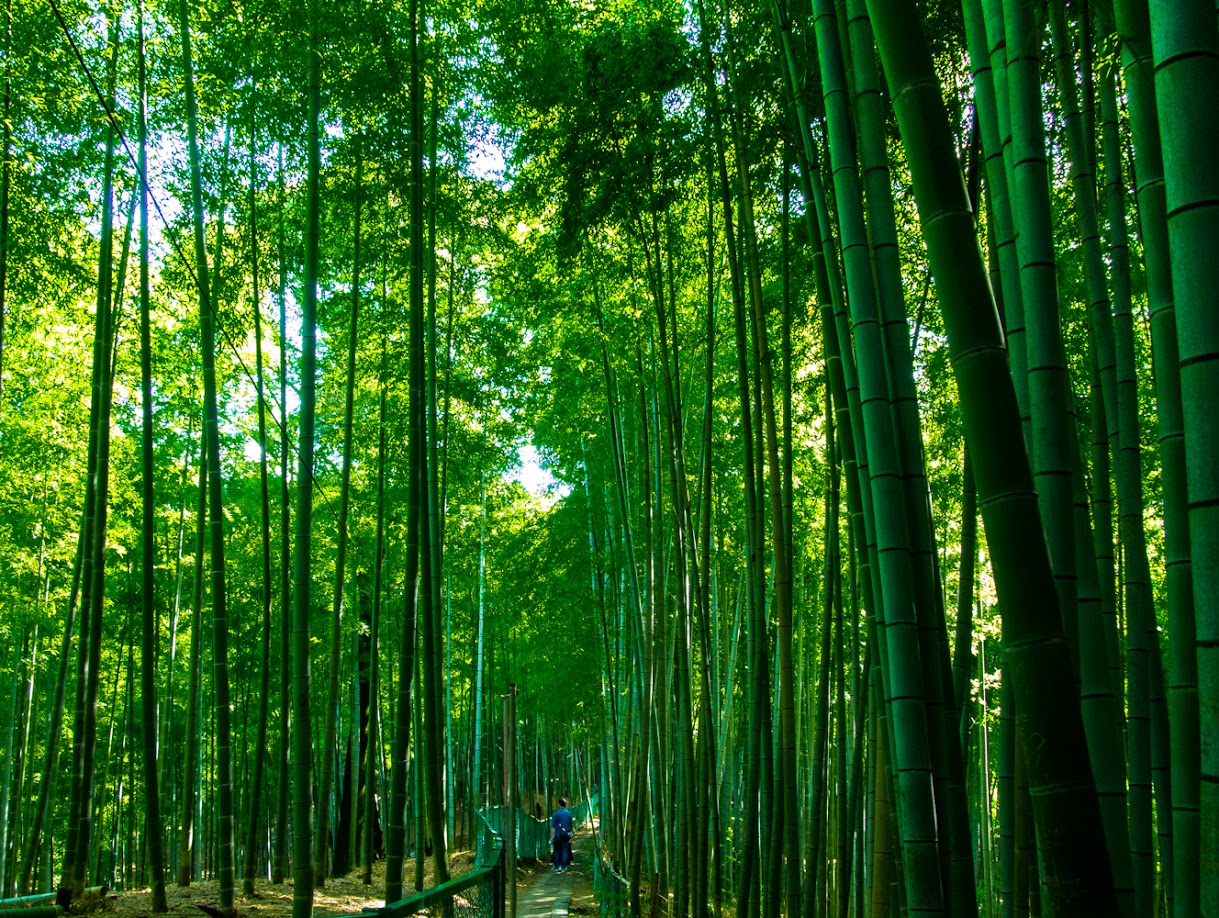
(809,407)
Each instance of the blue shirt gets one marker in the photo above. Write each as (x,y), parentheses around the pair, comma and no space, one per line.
(562,820)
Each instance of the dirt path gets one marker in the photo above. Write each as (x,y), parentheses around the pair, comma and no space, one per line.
(544,893)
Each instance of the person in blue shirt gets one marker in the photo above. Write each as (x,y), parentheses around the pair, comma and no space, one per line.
(563,829)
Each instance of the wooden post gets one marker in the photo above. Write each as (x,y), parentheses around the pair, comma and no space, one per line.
(510,796)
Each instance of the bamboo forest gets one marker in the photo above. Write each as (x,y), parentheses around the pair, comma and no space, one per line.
(611,457)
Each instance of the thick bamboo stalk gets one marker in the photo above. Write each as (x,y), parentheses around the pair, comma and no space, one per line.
(1077,876)
(1185,45)
(1133,24)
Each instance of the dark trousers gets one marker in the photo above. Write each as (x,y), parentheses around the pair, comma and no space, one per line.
(561,857)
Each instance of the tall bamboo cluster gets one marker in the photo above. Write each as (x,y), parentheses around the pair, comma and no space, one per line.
(1097,652)
(660,360)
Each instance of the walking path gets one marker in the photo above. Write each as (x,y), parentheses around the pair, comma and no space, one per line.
(550,893)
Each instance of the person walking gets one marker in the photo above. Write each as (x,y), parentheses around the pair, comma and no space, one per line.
(563,829)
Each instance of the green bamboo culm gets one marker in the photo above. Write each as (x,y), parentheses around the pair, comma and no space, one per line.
(261,750)
(215,494)
(187,836)
(990,99)
(373,756)
(1131,21)
(330,734)
(93,569)
(148,697)
(1053,440)
(1185,48)
(921,812)
(1118,405)
(942,701)
(302,739)
(1075,863)
(429,542)
(279,862)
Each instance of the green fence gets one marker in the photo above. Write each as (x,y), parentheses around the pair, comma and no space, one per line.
(532,835)
(480,893)
(477,894)
(611,888)
(585,810)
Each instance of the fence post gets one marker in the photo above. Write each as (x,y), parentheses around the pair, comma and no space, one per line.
(510,797)
(497,890)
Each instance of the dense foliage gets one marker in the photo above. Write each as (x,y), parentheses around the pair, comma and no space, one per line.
(661,358)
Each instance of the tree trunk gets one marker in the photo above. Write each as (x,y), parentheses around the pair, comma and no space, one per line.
(153,830)
(329,740)
(207,320)
(190,778)
(1133,24)
(250,861)
(1185,45)
(6,149)
(374,742)
(302,740)
(84,737)
(279,867)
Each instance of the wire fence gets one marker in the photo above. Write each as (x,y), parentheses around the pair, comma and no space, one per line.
(611,889)
(480,893)
(477,894)
(532,835)
(488,844)
(584,811)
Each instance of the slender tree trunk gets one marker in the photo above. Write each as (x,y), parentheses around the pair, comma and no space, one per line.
(1133,24)
(302,739)
(83,738)
(374,737)
(19,651)
(430,561)
(153,831)
(33,841)
(322,836)
(480,627)
(6,149)
(279,869)
(250,860)
(638,802)
(713,850)
(189,844)
(814,852)
(207,322)
(395,839)
(962,657)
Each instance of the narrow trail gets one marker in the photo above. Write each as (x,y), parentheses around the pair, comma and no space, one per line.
(549,893)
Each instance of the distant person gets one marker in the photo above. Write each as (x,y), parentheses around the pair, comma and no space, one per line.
(563,829)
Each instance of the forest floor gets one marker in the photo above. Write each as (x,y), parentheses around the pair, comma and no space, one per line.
(345,895)
(540,892)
